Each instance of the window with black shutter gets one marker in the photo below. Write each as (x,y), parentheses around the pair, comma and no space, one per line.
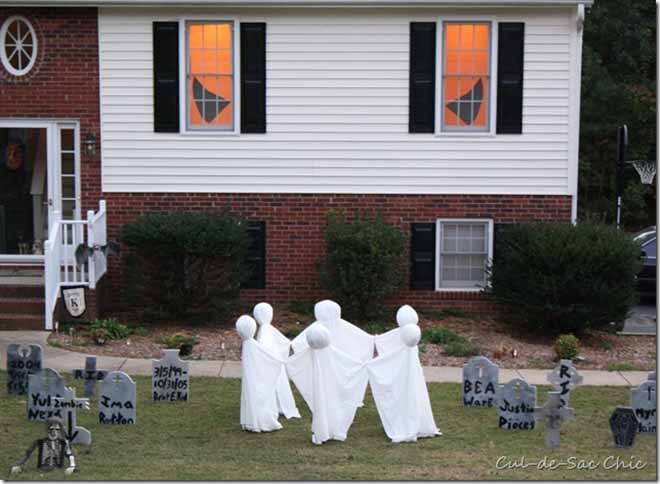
(256,256)
(510,63)
(422,256)
(166,76)
(253,77)
(421,116)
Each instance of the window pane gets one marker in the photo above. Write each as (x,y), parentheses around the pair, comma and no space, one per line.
(210,76)
(66,139)
(68,164)
(68,208)
(68,187)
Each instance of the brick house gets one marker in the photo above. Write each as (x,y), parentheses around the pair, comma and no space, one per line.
(449,117)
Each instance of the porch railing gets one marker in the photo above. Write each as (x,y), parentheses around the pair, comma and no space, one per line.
(61,267)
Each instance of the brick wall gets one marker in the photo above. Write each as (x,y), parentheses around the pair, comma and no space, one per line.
(64,82)
(294,228)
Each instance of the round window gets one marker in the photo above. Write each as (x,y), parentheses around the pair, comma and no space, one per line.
(18,45)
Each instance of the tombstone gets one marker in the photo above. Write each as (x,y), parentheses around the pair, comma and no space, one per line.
(22,361)
(43,387)
(170,379)
(516,401)
(554,414)
(623,424)
(564,378)
(117,399)
(90,374)
(69,405)
(480,380)
(643,403)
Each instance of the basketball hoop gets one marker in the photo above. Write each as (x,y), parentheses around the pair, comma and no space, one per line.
(645,169)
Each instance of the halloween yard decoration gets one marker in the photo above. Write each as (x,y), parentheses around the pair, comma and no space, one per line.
(397,383)
(480,380)
(52,450)
(391,340)
(22,361)
(554,414)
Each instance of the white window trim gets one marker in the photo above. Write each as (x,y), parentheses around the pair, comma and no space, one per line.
(3,53)
(183,64)
(492,119)
(438,242)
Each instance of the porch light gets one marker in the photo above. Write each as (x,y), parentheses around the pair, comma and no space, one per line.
(89,145)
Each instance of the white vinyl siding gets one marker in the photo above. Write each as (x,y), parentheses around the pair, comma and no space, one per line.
(337,111)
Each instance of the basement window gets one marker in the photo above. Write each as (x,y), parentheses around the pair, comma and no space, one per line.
(465,248)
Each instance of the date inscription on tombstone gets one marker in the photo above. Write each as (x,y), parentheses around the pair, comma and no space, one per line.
(117,399)
(170,379)
(22,361)
(480,380)
(516,401)
(644,404)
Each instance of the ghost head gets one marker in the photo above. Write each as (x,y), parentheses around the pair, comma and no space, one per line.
(318,337)
(263,313)
(406,315)
(246,327)
(327,311)
(410,335)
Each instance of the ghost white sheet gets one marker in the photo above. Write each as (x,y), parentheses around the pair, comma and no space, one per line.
(399,389)
(331,383)
(272,339)
(260,369)
(391,341)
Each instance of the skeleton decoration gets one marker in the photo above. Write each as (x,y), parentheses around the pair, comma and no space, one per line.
(52,450)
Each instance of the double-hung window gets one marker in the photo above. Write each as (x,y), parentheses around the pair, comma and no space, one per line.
(466,76)
(464,250)
(210,75)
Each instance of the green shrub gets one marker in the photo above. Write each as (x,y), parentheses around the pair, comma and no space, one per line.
(185,265)
(113,328)
(461,347)
(444,313)
(439,336)
(364,263)
(567,347)
(561,278)
(179,341)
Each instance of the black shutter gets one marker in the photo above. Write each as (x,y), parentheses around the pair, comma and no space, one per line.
(166,76)
(256,257)
(421,117)
(422,256)
(510,62)
(253,78)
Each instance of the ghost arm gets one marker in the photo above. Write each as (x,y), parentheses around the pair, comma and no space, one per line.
(388,342)
(299,368)
(17,467)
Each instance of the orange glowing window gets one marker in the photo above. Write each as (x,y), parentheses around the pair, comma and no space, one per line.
(466,76)
(210,75)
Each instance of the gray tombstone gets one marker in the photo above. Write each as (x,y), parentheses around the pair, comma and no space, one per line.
(117,399)
(480,380)
(90,374)
(69,406)
(516,401)
(623,424)
(553,414)
(43,388)
(644,404)
(22,361)
(564,378)
(170,379)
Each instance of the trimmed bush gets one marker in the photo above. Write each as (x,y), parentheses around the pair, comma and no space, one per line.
(110,328)
(439,336)
(567,347)
(561,278)
(461,347)
(185,265)
(364,263)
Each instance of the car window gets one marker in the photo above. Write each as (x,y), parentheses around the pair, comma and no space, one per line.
(650,248)
(643,236)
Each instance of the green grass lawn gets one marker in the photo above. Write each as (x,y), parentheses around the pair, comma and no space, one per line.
(203,440)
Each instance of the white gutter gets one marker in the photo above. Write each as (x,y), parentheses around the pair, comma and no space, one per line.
(297,3)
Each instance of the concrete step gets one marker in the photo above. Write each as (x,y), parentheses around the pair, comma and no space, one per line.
(17,321)
(22,305)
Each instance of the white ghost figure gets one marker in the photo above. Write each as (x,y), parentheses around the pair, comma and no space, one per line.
(272,339)
(331,383)
(260,369)
(399,389)
(391,341)
(352,340)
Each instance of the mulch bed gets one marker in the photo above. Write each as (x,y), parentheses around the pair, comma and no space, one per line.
(601,350)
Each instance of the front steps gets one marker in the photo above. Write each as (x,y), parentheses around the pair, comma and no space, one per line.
(22,299)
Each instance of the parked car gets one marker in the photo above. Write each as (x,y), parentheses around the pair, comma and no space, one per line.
(646,279)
